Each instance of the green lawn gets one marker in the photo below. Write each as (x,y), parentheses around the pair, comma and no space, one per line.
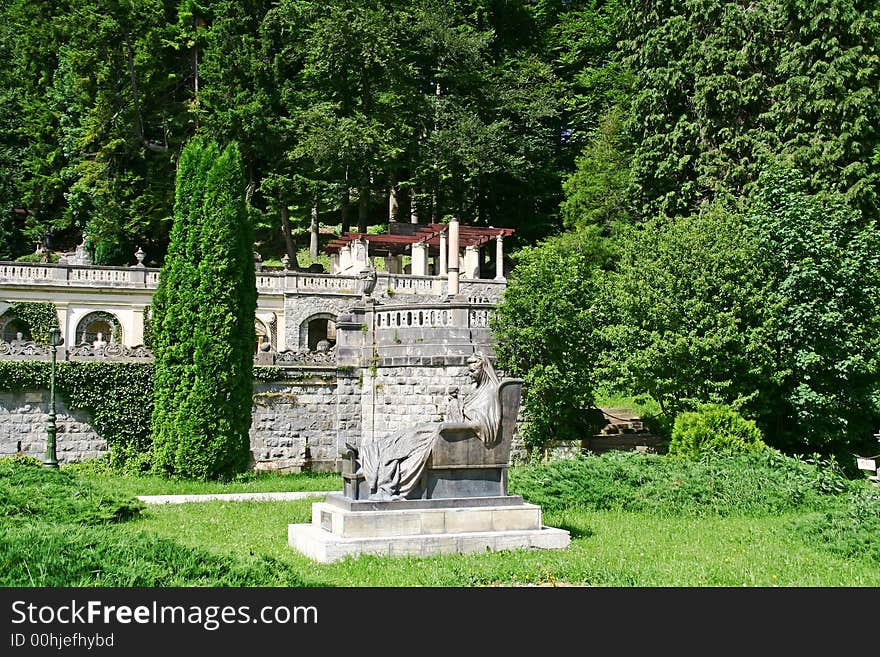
(635,520)
(607,549)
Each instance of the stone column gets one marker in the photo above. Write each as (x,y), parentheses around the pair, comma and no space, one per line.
(442,268)
(64,324)
(334,263)
(452,264)
(344,258)
(471,262)
(135,334)
(419,259)
(392,264)
(499,258)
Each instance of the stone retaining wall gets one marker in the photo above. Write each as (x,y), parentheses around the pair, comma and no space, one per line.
(23,418)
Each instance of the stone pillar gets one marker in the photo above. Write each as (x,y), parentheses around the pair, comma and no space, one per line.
(419,259)
(64,324)
(392,264)
(392,203)
(452,263)
(442,269)
(499,258)
(334,263)
(344,258)
(135,334)
(471,262)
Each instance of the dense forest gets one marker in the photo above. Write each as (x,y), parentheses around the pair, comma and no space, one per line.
(354,112)
(694,183)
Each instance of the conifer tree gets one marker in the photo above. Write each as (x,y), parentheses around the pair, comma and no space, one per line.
(174,307)
(215,417)
(203,314)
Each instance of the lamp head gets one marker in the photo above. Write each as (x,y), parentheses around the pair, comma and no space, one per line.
(55,338)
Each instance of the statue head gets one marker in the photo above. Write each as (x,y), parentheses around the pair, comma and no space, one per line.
(480,369)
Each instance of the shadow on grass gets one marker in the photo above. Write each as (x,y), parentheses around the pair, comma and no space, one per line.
(576,531)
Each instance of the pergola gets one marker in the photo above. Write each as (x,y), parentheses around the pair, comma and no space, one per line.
(421,241)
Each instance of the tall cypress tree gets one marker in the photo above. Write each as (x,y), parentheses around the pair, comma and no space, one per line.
(215,417)
(203,314)
(175,309)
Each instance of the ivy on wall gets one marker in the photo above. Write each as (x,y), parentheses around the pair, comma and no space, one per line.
(39,316)
(117,396)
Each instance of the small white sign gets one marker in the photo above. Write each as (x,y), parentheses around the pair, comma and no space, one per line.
(867,464)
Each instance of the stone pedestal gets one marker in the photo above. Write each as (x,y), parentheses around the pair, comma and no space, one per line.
(342,527)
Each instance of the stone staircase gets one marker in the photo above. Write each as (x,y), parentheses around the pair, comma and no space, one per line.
(623,430)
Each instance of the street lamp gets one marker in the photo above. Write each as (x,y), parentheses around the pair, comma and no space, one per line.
(51,461)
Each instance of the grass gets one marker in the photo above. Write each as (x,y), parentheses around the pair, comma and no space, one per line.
(99,474)
(607,549)
(644,521)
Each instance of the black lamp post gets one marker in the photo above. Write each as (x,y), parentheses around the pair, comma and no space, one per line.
(51,461)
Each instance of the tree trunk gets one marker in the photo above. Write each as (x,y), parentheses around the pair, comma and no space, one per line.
(363,203)
(289,242)
(345,207)
(313,231)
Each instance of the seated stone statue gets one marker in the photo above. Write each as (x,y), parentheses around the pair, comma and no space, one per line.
(393,466)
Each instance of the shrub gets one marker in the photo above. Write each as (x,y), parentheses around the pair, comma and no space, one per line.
(715,428)
(753,484)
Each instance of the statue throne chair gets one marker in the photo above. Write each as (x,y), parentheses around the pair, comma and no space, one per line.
(460,464)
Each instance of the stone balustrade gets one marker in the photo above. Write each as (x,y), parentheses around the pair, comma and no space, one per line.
(268,282)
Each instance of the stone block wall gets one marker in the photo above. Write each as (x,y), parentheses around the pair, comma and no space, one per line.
(23,418)
(393,398)
(294,423)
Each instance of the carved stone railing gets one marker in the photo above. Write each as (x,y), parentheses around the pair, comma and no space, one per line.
(436,315)
(23,350)
(144,278)
(110,351)
(28,350)
(301,358)
(268,282)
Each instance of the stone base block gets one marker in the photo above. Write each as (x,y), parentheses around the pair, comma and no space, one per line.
(336,532)
(412,522)
(324,547)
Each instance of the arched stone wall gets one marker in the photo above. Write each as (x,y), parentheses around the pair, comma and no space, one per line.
(299,310)
(10,325)
(306,327)
(89,325)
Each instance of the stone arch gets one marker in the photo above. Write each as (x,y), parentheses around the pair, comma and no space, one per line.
(99,322)
(298,311)
(317,327)
(11,326)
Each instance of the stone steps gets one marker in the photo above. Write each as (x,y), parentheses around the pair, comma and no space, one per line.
(624,430)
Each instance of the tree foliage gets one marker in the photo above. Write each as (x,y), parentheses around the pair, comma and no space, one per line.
(721,85)
(545,327)
(203,322)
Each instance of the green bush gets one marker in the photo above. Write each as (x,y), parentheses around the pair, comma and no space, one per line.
(752,484)
(204,322)
(714,428)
